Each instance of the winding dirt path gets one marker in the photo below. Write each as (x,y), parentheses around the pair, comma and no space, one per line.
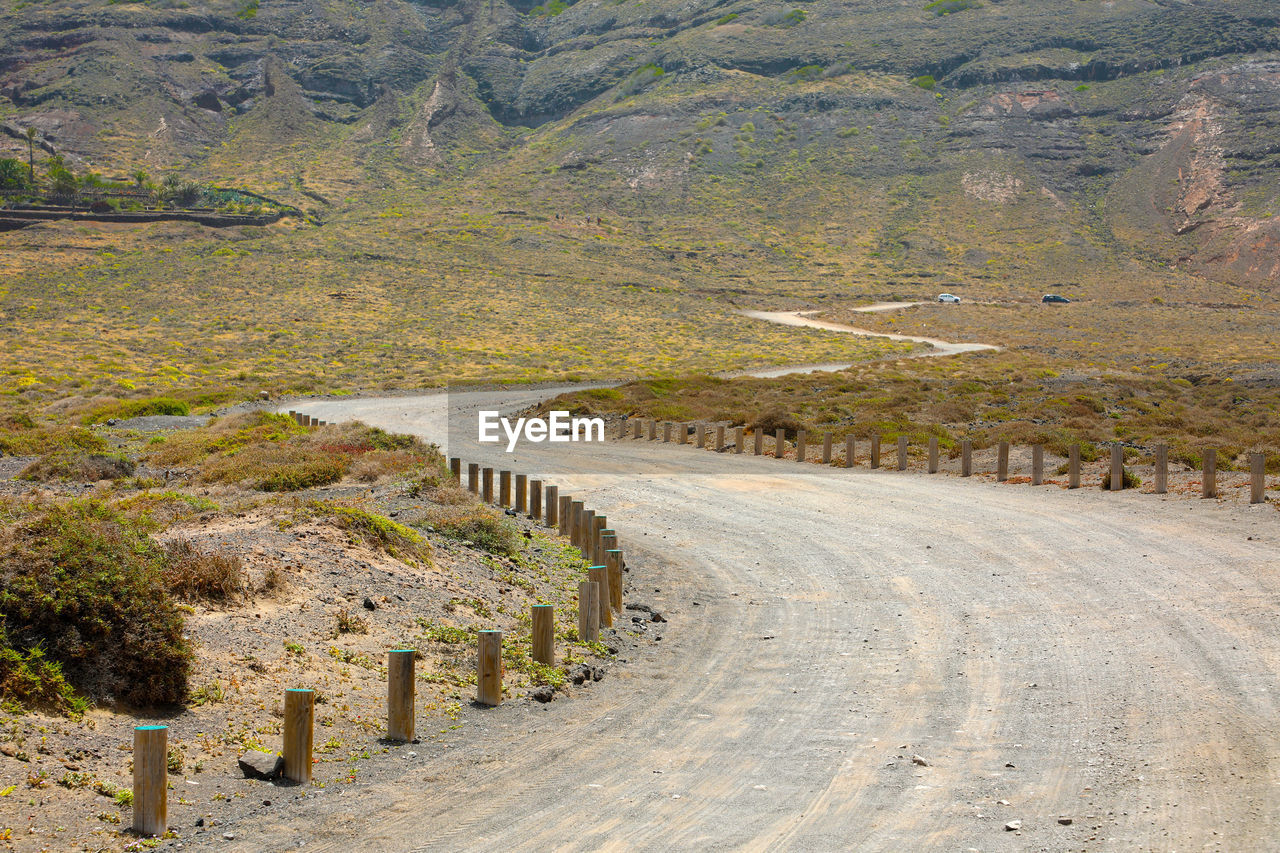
(1103,668)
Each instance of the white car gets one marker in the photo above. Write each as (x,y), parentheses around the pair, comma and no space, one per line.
(949,297)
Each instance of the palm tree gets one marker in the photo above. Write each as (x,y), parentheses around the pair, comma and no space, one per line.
(31,154)
(139,177)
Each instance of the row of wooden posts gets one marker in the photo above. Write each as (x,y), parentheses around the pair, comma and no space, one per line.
(599,599)
(640,428)
(306,420)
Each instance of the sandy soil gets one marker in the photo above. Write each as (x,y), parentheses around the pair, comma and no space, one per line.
(873,660)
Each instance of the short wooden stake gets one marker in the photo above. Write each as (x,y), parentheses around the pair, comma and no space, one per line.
(635,428)
(565,514)
(738,436)
(150,780)
(1117,468)
(544,633)
(1209,474)
(801,439)
(535,499)
(902,453)
(758,442)
(588,612)
(622,427)
(1162,469)
(1257,478)
(966,458)
(875,451)
(489,668)
(666,432)
(683,437)
(585,530)
(400,694)
(933,454)
(551,518)
(653,430)
(1002,462)
(455,468)
(779,443)
(486,485)
(719,438)
(504,488)
(699,436)
(599,575)
(850,448)
(473,478)
(613,560)
(826,448)
(1073,467)
(299,729)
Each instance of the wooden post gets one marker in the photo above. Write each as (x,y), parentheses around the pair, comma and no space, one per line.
(535,499)
(504,488)
(522,491)
(738,435)
(635,428)
(826,448)
(933,454)
(666,431)
(1002,462)
(455,468)
(588,612)
(902,453)
(150,780)
(700,435)
(552,517)
(779,443)
(759,441)
(565,515)
(1117,468)
(801,438)
(584,530)
(1162,469)
(1037,464)
(599,575)
(850,446)
(719,438)
(653,429)
(299,728)
(486,485)
(1209,480)
(875,451)
(489,668)
(1257,478)
(400,694)
(683,437)
(966,458)
(544,633)
(473,478)
(622,427)
(613,560)
(1073,467)
(293,415)
(597,539)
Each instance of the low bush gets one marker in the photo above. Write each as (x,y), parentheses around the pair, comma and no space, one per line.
(78,466)
(777,419)
(478,525)
(125,409)
(374,530)
(193,575)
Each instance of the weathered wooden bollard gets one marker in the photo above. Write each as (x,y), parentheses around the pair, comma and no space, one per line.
(1037,464)
(1257,478)
(719,438)
(933,454)
(758,435)
(400,694)
(613,560)
(653,429)
(738,435)
(1162,469)
(608,541)
(504,488)
(552,516)
(473,478)
(699,436)
(544,633)
(150,780)
(584,529)
(666,432)
(1209,474)
(826,448)
(779,443)
(683,434)
(489,668)
(1002,462)
(1073,467)
(486,485)
(535,499)
(875,451)
(966,458)
(801,445)
(522,492)
(636,426)
(293,415)
(1117,468)
(564,514)
(455,469)
(588,612)
(597,539)
(902,453)
(622,427)
(599,575)
(850,448)
(299,730)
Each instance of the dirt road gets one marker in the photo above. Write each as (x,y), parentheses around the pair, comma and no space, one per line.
(1102,668)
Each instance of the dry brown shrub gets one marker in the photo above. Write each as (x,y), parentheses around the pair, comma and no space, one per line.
(194,575)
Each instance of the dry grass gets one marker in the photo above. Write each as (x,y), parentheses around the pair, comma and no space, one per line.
(195,575)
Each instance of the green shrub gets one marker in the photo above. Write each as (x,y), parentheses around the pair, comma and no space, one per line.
(924,81)
(125,409)
(950,7)
(376,531)
(28,678)
(78,466)
(481,528)
(732,16)
(792,18)
(85,586)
